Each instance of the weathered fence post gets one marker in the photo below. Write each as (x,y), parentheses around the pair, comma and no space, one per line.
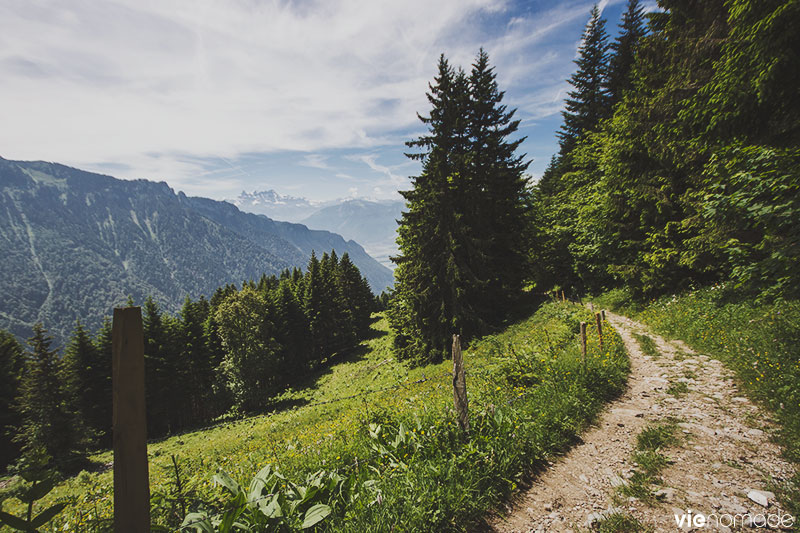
(131,476)
(563,298)
(460,385)
(583,342)
(603,314)
(599,328)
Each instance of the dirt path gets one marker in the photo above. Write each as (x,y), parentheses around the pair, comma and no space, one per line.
(724,452)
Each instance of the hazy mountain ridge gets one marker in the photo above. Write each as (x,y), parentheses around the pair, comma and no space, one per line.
(77,243)
(371,223)
(277,206)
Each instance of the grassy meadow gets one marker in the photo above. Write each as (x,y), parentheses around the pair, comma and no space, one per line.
(370,444)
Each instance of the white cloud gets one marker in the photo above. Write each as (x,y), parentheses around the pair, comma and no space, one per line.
(150,88)
(315,161)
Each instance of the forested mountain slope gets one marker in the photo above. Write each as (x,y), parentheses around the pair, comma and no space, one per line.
(74,244)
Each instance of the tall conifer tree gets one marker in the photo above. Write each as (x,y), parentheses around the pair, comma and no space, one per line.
(11,367)
(83,380)
(498,221)
(589,102)
(48,425)
(462,238)
(623,49)
(430,273)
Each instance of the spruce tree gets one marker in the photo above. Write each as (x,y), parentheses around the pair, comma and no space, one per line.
(342,332)
(101,417)
(314,308)
(48,423)
(623,51)
(11,367)
(589,102)
(432,276)
(220,398)
(357,294)
(293,332)
(83,381)
(497,220)
(158,370)
(193,316)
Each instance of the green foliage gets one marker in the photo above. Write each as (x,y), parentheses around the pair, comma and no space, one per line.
(650,460)
(251,352)
(37,482)
(752,206)
(531,398)
(273,503)
(693,177)
(434,479)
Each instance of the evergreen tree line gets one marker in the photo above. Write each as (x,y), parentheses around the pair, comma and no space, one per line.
(231,353)
(679,160)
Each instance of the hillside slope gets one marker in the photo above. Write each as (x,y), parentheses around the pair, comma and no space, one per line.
(76,243)
(389,429)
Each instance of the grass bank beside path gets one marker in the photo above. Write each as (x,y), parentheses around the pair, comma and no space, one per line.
(760,341)
(371,445)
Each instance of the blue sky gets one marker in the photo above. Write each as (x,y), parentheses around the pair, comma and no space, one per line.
(311,98)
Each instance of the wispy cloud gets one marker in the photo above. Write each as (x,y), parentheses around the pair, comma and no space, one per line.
(315,161)
(157,89)
(390,172)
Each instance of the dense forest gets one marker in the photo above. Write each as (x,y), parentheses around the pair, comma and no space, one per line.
(230,354)
(679,155)
(678,167)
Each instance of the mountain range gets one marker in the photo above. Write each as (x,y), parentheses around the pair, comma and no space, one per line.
(371,223)
(75,244)
(278,206)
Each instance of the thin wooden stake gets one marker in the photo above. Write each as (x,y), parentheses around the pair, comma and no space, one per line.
(599,328)
(583,342)
(563,298)
(603,314)
(460,385)
(131,475)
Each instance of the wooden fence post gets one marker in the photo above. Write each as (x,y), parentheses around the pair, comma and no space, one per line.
(460,385)
(603,314)
(599,328)
(131,476)
(583,342)
(563,298)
